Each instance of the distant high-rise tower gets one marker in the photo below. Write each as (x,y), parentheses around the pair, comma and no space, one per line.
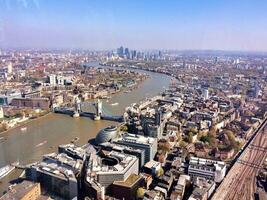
(134,54)
(9,68)
(120,51)
(160,54)
(127,53)
(215,60)
(205,93)
(184,65)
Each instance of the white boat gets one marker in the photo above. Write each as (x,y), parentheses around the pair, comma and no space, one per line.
(23,129)
(4,171)
(105,97)
(114,104)
(41,144)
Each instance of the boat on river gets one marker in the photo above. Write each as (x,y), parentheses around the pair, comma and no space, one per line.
(41,144)
(105,97)
(23,129)
(114,104)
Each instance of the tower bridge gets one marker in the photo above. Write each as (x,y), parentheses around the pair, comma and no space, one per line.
(100,111)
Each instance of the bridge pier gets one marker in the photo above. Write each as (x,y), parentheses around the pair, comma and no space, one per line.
(76,114)
(97,117)
(98,106)
(77,107)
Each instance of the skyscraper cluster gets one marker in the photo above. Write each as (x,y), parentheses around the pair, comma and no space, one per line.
(126,53)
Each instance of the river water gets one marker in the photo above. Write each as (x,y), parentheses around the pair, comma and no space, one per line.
(56,129)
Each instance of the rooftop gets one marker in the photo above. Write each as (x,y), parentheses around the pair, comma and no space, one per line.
(132,138)
(123,162)
(18,191)
(133,178)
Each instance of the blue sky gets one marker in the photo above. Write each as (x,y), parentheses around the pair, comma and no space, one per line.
(139,24)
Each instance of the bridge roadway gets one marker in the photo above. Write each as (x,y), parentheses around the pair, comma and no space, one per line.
(91,115)
(240,182)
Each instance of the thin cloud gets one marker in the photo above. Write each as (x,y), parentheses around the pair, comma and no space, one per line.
(36,3)
(24,3)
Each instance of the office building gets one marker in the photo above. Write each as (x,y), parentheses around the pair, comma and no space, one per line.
(113,166)
(106,134)
(203,189)
(149,144)
(139,153)
(9,68)
(52,79)
(209,169)
(41,103)
(120,51)
(56,174)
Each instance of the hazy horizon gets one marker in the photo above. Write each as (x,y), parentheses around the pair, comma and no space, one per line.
(101,25)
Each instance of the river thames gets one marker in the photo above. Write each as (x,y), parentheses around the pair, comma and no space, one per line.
(56,129)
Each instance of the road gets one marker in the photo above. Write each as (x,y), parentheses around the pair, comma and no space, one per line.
(240,182)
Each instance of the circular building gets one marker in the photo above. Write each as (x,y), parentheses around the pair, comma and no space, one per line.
(106,134)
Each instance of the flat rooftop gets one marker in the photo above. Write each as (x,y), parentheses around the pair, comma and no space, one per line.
(132,138)
(19,191)
(133,178)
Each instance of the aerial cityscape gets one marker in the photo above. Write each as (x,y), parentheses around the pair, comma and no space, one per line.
(126,100)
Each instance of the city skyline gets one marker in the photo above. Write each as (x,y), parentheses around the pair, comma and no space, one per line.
(101,25)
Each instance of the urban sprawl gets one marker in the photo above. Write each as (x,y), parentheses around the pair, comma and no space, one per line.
(203,137)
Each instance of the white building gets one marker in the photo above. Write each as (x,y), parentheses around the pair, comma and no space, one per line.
(1,113)
(209,169)
(52,79)
(205,93)
(9,68)
(60,80)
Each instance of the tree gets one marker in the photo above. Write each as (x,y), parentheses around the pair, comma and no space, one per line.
(160,172)
(194,130)
(233,143)
(200,134)
(190,137)
(205,139)
(212,137)
(164,146)
(183,144)
(178,137)
(140,193)
(123,128)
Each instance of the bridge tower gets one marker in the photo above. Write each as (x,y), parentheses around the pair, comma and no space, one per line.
(77,107)
(98,106)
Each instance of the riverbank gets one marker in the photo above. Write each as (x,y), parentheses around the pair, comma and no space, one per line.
(19,125)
